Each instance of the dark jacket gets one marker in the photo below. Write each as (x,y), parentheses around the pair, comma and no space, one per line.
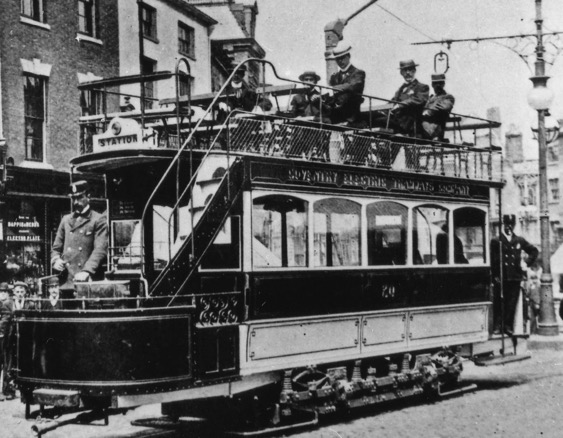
(302,105)
(347,100)
(412,98)
(82,242)
(6,312)
(511,257)
(438,108)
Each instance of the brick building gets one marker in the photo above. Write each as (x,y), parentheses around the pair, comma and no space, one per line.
(47,49)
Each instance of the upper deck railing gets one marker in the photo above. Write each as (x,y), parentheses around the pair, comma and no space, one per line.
(195,123)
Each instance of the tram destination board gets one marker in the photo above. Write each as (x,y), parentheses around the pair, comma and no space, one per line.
(316,177)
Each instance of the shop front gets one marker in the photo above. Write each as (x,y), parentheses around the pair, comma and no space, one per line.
(32,203)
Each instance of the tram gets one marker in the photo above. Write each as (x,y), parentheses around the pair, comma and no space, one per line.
(268,269)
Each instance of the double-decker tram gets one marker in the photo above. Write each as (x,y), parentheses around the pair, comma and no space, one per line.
(268,269)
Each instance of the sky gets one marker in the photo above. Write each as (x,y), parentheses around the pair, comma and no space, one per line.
(481,75)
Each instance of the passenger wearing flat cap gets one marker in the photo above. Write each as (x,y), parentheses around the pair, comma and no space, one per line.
(506,256)
(310,103)
(81,242)
(409,99)
(349,82)
(437,110)
(21,298)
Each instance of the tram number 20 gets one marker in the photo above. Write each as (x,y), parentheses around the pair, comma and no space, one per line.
(388,291)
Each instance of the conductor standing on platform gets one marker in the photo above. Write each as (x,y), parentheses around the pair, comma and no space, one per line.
(81,243)
(510,267)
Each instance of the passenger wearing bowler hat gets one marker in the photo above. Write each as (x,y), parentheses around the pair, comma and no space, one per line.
(309,103)
(409,99)
(81,242)
(437,109)
(506,256)
(349,82)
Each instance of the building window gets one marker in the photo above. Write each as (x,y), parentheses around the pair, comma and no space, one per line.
(186,85)
(87,18)
(554,188)
(186,37)
(35,116)
(34,9)
(553,152)
(148,66)
(148,21)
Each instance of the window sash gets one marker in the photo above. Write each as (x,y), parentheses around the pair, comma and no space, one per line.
(87,17)
(148,21)
(34,107)
(33,9)
(186,43)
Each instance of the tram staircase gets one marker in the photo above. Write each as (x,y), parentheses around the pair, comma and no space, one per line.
(215,188)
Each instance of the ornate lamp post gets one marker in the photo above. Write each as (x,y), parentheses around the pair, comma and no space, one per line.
(540,98)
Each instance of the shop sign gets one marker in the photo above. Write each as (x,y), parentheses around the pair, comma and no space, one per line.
(23,229)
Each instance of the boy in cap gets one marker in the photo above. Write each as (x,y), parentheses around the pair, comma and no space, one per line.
(81,242)
(349,82)
(21,301)
(437,109)
(409,101)
(511,246)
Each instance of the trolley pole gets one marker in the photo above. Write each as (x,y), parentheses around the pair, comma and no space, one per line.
(540,99)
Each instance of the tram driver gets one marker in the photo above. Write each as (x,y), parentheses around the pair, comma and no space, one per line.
(81,243)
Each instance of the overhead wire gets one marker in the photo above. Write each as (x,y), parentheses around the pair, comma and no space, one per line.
(406,24)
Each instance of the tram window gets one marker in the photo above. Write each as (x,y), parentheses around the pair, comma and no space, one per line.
(387,225)
(279,228)
(469,227)
(224,253)
(337,232)
(430,235)
(125,251)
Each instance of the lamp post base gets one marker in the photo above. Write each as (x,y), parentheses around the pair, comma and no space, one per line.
(549,329)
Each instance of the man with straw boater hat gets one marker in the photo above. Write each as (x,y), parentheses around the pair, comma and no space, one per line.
(409,101)
(349,82)
(81,242)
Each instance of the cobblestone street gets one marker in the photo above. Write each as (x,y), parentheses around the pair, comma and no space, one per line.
(521,399)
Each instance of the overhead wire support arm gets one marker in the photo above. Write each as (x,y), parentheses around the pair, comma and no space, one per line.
(450,41)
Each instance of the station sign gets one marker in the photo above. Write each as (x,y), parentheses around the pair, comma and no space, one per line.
(125,134)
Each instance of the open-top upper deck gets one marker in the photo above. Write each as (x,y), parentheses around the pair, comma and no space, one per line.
(194,123)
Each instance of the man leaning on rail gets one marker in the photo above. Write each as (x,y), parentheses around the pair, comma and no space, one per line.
(81,243)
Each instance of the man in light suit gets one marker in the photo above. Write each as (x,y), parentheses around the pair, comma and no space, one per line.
(81,243)
(349,82)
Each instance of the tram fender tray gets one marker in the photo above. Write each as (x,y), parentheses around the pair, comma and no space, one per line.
(103,289)
(56,397)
